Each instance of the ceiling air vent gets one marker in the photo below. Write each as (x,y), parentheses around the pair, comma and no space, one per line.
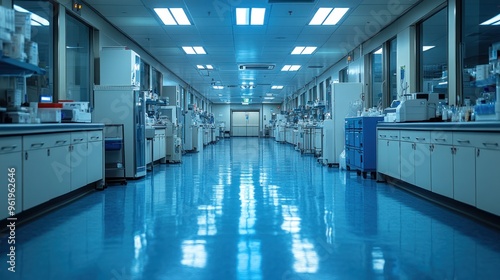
(256,66)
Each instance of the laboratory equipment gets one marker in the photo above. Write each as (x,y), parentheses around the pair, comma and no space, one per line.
(124,105)
(114,154)
(75,111)
(343,94)
(416,107)
(119,67)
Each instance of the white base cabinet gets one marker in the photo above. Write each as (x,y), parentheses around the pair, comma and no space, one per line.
(47,165)
(461,165)
(11,192)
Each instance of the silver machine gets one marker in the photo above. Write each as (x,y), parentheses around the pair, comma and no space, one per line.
(170,115)
(415,107)
(119,100)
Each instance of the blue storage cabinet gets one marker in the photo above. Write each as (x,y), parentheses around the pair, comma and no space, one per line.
(361,144)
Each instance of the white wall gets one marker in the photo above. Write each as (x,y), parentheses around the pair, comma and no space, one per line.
(222,112)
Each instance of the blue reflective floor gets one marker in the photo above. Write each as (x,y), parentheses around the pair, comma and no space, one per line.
(253,209)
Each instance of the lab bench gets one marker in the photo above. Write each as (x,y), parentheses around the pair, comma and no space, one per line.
(44,162)
(457,161)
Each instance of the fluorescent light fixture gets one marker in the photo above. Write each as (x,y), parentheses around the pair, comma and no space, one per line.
(268,98)
(242,16)
(172,16)
(189,50)
(303,50)
(246,16)
(193,50)
(492,21)
(180,16)
(220,94)
(309,50)
(210,67)
(218,87)
(298,50)
(244,103)
(328,16)
(379,51)
(257,17)
(290,68)
(269,94)
(426,48)
(36,20)
(277,87)
(246,100)
(335,16)
(199,50)
(320,16)
(200,66)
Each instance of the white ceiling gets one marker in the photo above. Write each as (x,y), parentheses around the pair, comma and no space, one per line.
(228,45)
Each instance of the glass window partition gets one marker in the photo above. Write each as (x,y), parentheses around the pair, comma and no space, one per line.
(77,60)
(479,31)
(41,46)
(433,51)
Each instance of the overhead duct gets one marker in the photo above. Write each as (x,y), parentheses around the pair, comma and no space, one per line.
(256,67)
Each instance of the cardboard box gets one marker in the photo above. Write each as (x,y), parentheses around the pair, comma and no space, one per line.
(23,24)
(31,49)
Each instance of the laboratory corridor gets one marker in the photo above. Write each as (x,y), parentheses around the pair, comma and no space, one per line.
(252,208)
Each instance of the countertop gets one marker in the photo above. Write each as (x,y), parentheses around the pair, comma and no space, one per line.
(484,126)
(23,129)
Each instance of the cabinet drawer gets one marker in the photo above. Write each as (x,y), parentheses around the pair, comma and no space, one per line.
(485,140)
(78,137)
(34,142)
(464,139)
(10,144)
(388,134)
(94,136)
(416,136)
(442,137)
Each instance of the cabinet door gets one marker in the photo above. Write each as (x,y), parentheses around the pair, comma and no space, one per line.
(382,151)
(487,180)
(442,170)
(407,162)
(11,168)
(422,164)
(156,147)
(393,154)
(94,162)
(464,177)
(46,175)
(78,160)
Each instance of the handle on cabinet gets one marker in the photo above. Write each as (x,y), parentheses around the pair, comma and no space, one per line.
(490,144)
(406,137)
(26,155)
(383,135)
(394,137)
(94,137)
(78,140)
(440,139)
(463,141)
(420,138)
(9,148)
(61,141)
(37,145)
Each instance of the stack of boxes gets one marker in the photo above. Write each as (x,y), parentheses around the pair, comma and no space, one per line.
(15,36)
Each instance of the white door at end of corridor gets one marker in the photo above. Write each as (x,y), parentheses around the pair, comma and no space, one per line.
(245,123)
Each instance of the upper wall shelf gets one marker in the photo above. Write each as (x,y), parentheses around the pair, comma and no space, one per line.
(13,67)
